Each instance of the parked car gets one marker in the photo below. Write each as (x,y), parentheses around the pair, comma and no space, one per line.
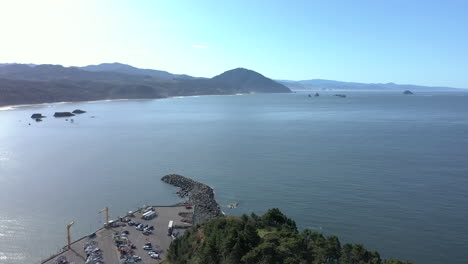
(147,247)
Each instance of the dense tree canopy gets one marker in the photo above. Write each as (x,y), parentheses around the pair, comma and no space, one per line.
(270,239)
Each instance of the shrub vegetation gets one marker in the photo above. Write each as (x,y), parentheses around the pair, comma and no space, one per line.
(270,239)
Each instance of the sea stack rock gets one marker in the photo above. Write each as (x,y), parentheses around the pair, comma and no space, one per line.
(78,111)
(408,92)
(63,114)
(37,115)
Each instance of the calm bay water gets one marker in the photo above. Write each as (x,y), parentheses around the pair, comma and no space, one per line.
(383,169)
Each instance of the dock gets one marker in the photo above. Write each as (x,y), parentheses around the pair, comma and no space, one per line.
(105,238)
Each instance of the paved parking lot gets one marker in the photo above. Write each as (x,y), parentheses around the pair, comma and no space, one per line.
(105,238)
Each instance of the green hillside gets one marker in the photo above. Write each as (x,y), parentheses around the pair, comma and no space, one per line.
(271,239)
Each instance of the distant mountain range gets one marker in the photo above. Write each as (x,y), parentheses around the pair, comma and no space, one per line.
(31,84)
(45,83)
(127,69)
(319,84)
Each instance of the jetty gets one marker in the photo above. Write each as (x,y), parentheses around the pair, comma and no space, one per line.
(200,195)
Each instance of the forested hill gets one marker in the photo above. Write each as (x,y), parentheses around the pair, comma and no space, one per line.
(31,84)
(271,239)
(249,80)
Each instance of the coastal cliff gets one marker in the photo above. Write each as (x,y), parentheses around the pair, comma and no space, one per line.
(200,195)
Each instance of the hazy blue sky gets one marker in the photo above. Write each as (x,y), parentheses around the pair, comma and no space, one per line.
(402,41)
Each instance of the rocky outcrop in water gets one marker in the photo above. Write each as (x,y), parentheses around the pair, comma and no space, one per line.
(200,195)
(78,111)
(408,92)
(37,115)
(63,114)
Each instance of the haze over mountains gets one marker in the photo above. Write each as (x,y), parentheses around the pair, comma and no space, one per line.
(127,69)
(319,84)
(31,84)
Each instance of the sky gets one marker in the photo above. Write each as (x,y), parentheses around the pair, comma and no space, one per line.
(372,41)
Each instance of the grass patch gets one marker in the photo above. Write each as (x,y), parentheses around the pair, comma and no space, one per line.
(262,232)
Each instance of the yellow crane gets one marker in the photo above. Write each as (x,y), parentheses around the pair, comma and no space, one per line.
(107,215)
(68,233)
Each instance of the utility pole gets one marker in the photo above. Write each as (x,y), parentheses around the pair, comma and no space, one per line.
(107,215)
(68,233)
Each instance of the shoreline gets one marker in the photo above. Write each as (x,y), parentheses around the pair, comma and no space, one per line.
(14,107)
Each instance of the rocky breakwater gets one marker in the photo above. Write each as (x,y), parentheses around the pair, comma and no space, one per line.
(200,195)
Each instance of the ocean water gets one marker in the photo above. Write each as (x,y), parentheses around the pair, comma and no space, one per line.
(382,169)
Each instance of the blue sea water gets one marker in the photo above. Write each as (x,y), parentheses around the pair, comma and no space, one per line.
(379,168)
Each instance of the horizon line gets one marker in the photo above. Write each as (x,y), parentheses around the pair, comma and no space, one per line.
(275,79)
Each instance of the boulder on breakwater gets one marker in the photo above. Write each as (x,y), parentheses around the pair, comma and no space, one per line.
(200,195)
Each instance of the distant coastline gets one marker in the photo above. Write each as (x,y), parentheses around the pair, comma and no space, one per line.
(323,85)
(13,107)
(16,106)
(23,84)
